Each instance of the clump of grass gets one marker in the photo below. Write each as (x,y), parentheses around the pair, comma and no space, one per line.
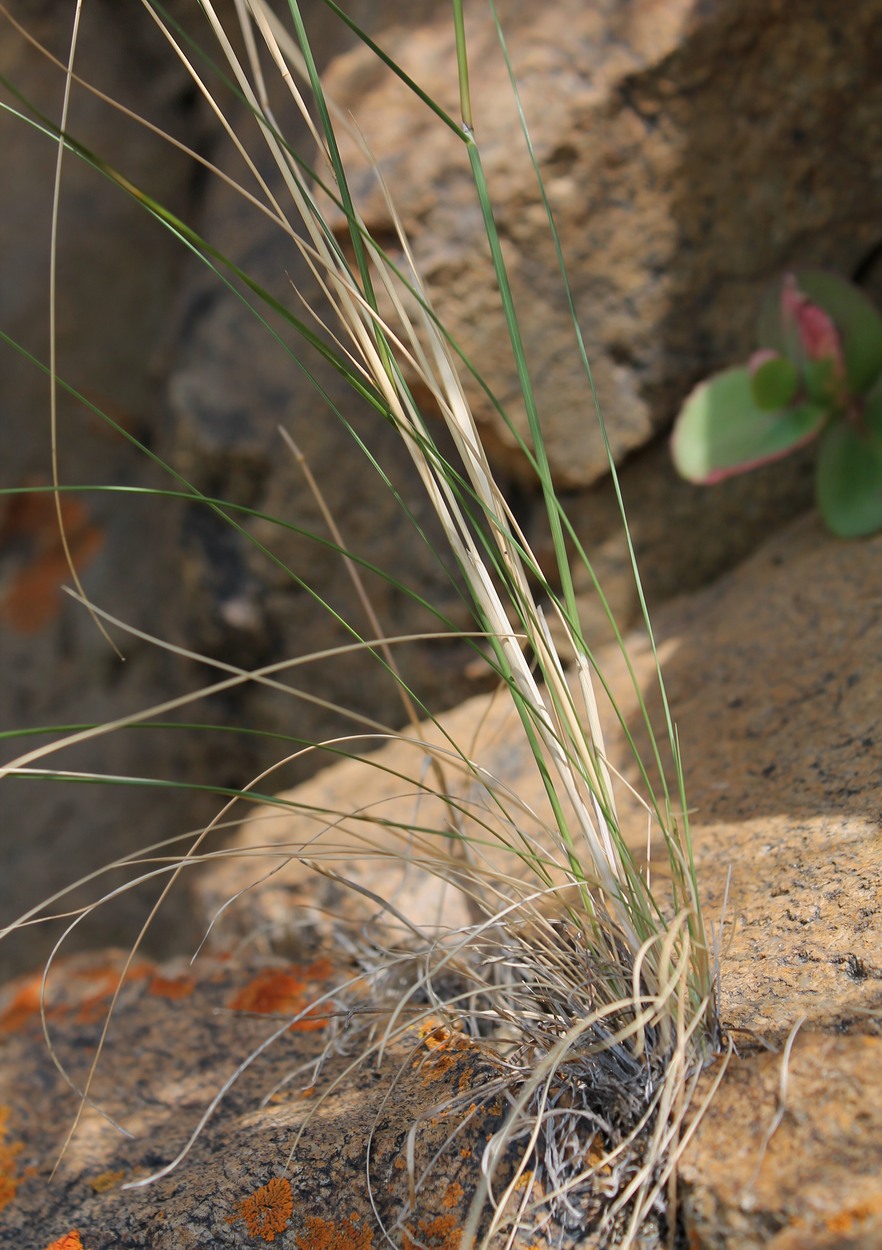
(596,995)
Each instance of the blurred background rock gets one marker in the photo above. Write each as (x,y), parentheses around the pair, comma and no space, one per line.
(693,149)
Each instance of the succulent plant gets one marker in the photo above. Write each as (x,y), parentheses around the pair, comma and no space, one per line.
(817,374)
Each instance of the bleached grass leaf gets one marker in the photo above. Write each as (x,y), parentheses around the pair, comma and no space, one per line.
(720,430)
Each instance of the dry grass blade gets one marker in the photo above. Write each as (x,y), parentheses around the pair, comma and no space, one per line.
(593,995)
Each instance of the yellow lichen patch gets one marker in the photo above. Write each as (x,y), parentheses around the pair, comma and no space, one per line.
(277,992)
(106,1180)
(268,1210)
(10,1177)
(334,1234)
(434,1034)
(444,1048)
(70,1241)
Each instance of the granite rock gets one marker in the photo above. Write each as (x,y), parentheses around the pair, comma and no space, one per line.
(773,675)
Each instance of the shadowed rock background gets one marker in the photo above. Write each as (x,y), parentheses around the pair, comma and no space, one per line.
(692,150)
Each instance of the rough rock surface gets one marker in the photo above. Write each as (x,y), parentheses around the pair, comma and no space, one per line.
(631,106)
(691,151)
(774,677)
(276,1162)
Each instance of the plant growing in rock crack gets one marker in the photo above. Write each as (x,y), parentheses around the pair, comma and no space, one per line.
(817,374)
(598,992)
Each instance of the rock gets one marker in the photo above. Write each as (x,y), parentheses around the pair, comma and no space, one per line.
(790,1153)
(691,151)
(773,675)
(630,109)
(118,274)
(306,1149)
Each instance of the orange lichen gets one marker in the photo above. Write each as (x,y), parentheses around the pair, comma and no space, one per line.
(105,977)
(70,1241)
(440,1233)
(24,1007)
(106,1180)
(29,532)
(850,1219)
(268,1210)
(84,989)
(10,1177)
(453,1194)
(171,987)
(277,992)
(334,1234)
(525,1179)
(434,1034)
(444,1048)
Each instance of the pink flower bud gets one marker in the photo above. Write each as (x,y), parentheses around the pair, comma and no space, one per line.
(816,331)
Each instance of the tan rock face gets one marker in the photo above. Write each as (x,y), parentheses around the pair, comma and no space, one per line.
(774,680)
(690,150)
(789,1156)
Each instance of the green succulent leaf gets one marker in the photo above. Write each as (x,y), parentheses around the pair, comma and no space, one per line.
(849,473)
(822,384)
(774,383)
(857,320)
(720,430)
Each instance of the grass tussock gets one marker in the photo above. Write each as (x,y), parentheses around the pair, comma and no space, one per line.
(594,995)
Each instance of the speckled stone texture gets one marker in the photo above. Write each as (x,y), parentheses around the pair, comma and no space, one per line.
(276,1162)
(774,677)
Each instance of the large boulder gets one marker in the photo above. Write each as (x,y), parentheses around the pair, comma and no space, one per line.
(691,150)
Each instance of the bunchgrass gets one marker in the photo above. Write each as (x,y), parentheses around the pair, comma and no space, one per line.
(596,996)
